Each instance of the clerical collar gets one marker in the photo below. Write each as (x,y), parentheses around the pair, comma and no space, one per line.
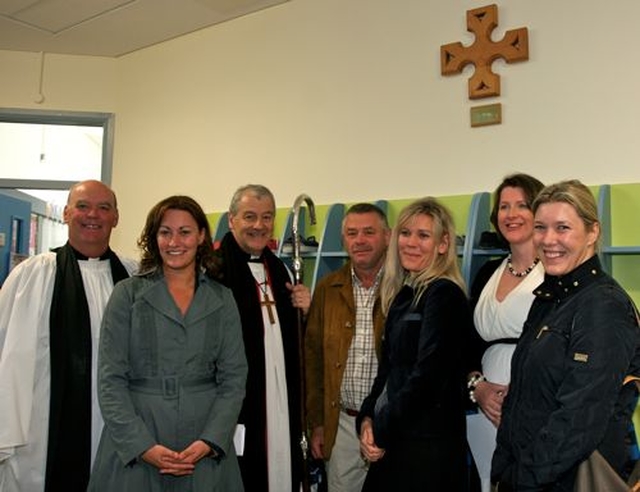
(80,256)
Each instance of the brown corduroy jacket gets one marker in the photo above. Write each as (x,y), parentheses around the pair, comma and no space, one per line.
(330,328)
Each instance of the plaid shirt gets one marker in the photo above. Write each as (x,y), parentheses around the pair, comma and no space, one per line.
(362,364)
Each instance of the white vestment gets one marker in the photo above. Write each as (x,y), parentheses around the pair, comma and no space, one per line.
(278,450)
(25,304)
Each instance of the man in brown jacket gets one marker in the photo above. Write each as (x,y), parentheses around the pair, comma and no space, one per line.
(342,345)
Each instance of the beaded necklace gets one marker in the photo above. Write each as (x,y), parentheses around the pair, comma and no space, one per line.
(524,273)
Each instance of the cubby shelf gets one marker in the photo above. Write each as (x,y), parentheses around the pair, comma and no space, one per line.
(330,254)
(473,257)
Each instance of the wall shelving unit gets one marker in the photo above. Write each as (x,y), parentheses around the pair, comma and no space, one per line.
(330,255)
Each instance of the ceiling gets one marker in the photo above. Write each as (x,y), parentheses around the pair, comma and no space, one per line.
(110,27)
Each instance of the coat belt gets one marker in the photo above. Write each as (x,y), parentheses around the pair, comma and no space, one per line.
(169,386)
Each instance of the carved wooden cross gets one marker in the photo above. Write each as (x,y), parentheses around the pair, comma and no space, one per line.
(513,47)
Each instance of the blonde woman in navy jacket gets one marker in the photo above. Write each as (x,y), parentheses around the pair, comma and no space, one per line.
(579,342)
(412,425)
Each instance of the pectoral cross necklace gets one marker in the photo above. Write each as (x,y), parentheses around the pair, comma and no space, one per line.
(265,300)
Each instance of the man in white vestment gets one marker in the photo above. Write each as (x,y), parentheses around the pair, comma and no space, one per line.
(268,303)
(51,308)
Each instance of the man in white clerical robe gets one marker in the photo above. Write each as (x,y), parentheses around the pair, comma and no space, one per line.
(51,308)
(268,304)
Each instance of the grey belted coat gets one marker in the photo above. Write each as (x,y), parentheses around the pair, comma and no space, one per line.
(168,379)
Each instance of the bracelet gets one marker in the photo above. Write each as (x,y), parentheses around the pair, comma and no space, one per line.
(472,384)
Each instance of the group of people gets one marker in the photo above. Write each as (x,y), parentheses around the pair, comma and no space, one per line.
(190,356)
(118,375)
(542,346)
(555,340)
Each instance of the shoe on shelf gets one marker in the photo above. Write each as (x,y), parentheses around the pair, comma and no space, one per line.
(308,245)
(491,240)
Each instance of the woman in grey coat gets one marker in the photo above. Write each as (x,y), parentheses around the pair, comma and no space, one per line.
(172,367)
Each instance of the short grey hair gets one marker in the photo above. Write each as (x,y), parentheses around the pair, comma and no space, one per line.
(259,191)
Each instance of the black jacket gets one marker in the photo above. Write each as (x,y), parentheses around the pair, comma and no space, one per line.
(420,421)
(566,397)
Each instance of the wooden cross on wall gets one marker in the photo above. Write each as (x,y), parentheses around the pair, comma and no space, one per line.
(483,52)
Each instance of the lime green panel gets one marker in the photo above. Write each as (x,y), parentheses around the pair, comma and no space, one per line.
(213,219)
(458,205)
(625,231)
(625,208)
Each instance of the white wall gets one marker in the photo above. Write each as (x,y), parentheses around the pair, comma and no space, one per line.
(343,100)
(70,83)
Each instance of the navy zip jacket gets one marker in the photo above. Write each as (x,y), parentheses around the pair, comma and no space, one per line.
(566,398)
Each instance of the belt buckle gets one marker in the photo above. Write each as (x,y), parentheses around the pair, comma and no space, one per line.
(170,387)
(350,411)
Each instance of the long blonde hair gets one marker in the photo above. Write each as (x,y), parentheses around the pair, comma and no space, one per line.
(443,265)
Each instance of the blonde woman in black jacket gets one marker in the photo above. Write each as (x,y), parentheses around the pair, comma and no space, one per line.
(412,424)
(580,340)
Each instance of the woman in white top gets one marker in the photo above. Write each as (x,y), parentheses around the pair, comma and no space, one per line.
(501,294)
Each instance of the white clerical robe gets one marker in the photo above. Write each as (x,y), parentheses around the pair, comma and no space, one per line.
(278,450)
(25,303)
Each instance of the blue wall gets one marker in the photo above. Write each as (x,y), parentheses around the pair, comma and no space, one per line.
(13,209)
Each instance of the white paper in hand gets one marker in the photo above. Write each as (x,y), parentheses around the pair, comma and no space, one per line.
(238,439)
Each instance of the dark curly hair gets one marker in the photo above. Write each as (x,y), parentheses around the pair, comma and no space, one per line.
(148,242)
